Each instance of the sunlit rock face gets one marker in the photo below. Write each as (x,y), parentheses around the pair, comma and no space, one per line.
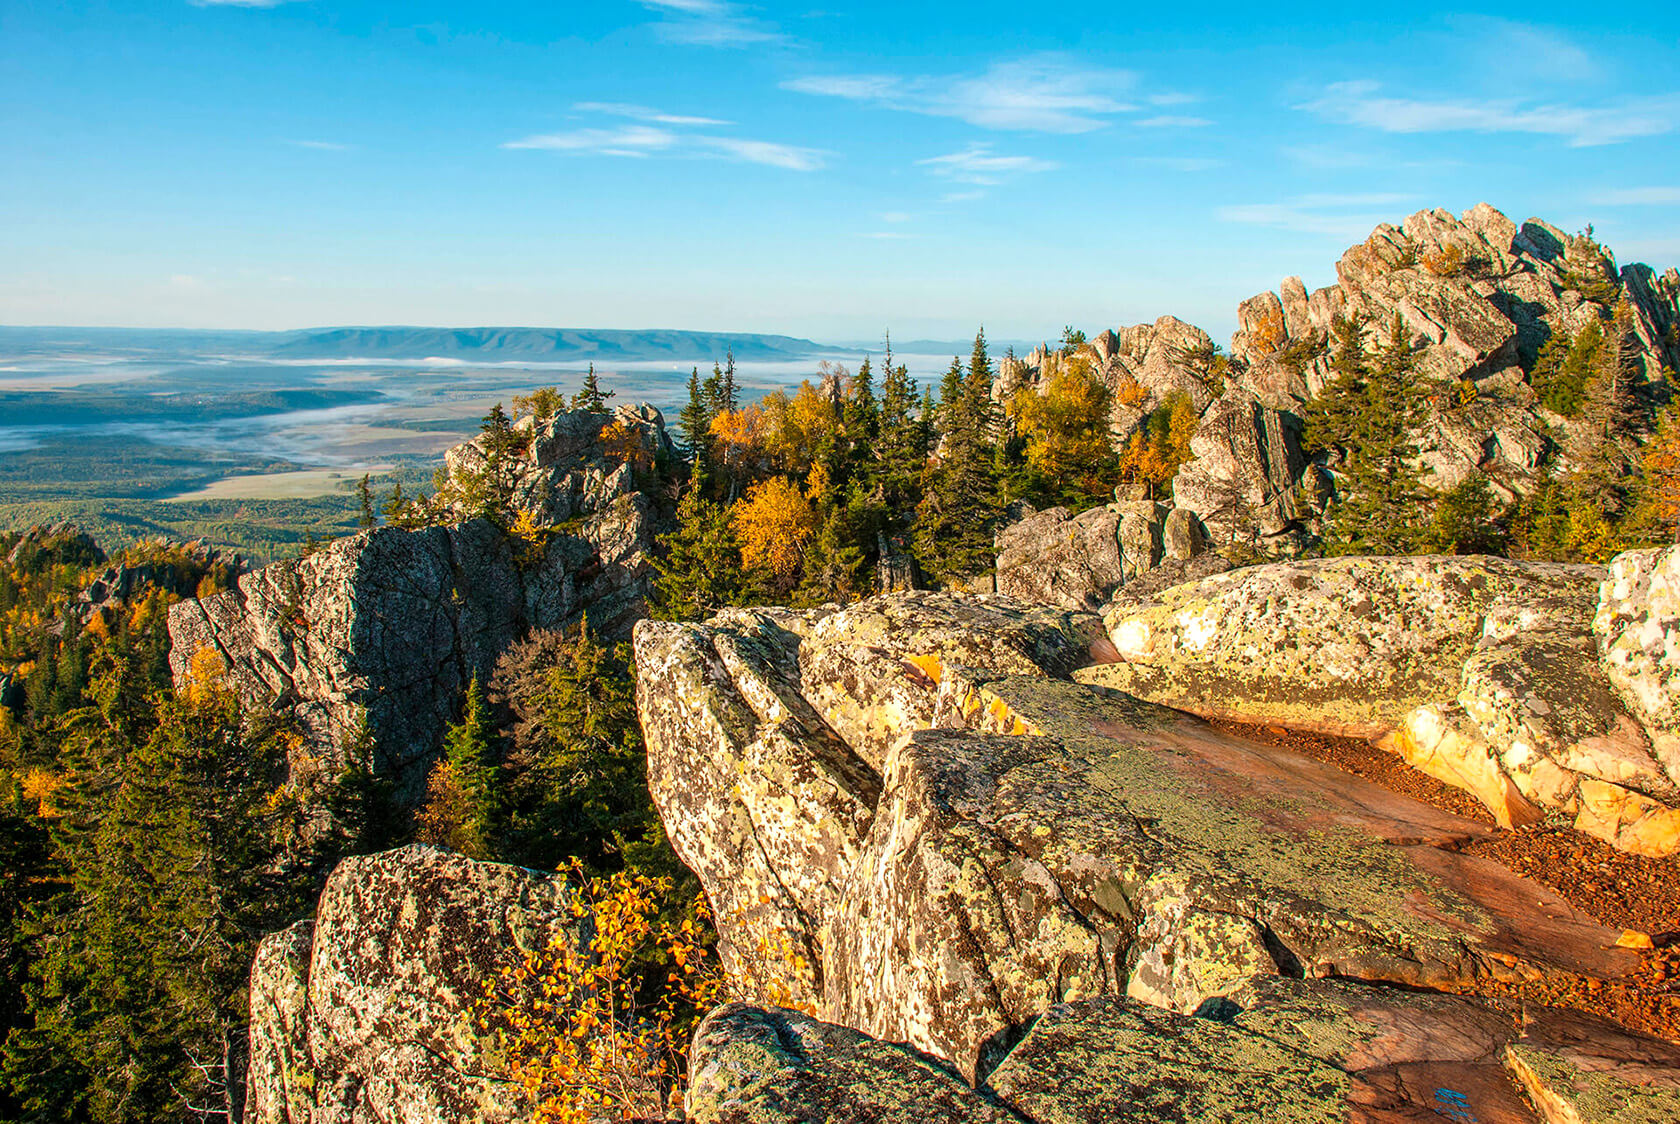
(1537,688)
(364,1013)
(390,624)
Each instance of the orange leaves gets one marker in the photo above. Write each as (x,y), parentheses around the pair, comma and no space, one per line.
(583,1028)
(774,522)
(622,444)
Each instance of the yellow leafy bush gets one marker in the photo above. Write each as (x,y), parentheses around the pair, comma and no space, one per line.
(774,522)
(597,1029)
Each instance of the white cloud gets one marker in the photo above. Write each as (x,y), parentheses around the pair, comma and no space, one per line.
(961,196)
(1358,103)
(320,145)
(643,140)
(1638,196)
(765,152)
(1180,163)
(1168,122)
(1535,49)
(710,23)
(643,113)
(629,140)
(1171,98)
(1335,216)
(895,216)
(977,164)
(1043,93)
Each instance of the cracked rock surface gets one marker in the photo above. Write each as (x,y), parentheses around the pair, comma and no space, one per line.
(1540,689)
(364,1013)
(991,851)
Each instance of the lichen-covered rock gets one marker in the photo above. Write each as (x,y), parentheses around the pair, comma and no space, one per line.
(366,1015)
(1092,846)
(1247,459)
(390,624)
(1578,1070)
(758,796)
(756,1066)
(876,671)
(1481,672)
(1054,558)
(1342,646)
(1638,631)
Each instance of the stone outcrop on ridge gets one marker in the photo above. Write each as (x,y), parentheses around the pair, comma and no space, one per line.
(1477,294)
(365,1012)
(391,624)
(1483,672)
(915,826)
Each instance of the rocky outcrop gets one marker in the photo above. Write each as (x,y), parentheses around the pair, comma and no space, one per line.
(1477,296)
(365,1012)
(1277,1050)
(958,837)
(390,625)
(1480,671)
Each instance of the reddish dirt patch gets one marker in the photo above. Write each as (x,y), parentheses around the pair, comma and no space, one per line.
(1616,889)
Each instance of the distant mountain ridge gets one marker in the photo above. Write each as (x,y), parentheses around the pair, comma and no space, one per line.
(501,344)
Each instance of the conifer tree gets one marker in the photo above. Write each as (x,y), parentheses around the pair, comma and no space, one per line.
(365,495)
(462,797)
(695,423)
(591,398)
(902,447)
(699,569)
(953,536)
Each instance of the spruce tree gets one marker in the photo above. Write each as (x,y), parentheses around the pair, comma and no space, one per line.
(365,495)
(695,424)
(463,794)
(590,398)
(901,450)
(699,568)
(953,535)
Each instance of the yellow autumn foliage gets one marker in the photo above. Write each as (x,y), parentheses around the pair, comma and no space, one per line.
(774,522)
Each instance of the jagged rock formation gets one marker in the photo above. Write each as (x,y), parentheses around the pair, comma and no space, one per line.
(1481,671)
(1478,295)
(364,1013)
(391,624)
(912,822)
(1277,1050)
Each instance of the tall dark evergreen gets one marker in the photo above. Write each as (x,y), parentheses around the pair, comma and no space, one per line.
(953,536)
(590,397)
(365,494)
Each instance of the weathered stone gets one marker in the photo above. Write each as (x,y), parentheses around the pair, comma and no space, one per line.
(1061,861)
(1637,627)
(1053,558)
(1343,646)
(1182,536)
(876,670)
(755,1066)
(391,624)
(1247,459)
(1579,1070)
(757,795)
(366,1014)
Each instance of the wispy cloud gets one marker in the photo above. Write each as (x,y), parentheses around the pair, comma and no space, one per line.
(775,155)
(630,140)
(321,145)
(1534,49)
(1358,103)
(1638,197)
(1335,216)
(977,164)
(710,23)
(1043,93)
(887,235)
(1170,122)
(1180,163)
(895,216)
(671,136)
(961,196)
(643,113)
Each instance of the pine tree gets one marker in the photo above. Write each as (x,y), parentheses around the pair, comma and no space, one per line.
(953,535)
(462,793)
(365,495)
(901,451)
(695,424)
(591,398)
(1603,444)
(699,569)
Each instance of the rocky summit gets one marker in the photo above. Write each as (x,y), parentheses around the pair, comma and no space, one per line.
(389,625)
(981,885)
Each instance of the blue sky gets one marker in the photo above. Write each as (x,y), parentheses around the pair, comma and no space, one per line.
(825,171)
